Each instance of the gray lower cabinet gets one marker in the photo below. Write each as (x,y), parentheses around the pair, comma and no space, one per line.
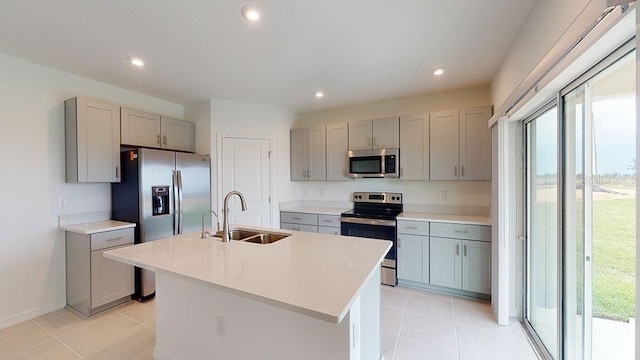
(460,257)
(299,221)
(329,224)
(95,283)
(413,251)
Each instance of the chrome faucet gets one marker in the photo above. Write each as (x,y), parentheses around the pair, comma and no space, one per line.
(225,212)
(206,233)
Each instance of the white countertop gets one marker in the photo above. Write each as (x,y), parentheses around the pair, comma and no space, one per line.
(416,216)
(458,219)
(314,274)
(97,227)
(316,210)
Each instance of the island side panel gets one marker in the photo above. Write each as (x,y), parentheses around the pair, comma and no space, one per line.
(188,314)
(371,339)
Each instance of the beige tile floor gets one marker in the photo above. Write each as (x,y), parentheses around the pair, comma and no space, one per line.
(425,325)
(415,325)
(126,332)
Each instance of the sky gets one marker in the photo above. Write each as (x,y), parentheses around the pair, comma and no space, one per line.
(615,137)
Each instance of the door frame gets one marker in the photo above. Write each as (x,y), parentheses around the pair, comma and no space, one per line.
(217,192)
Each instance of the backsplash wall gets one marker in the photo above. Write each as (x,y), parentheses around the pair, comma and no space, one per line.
(461,194)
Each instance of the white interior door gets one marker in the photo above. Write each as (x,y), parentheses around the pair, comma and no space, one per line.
(245,166)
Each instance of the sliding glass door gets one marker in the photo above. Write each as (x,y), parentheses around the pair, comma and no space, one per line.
(542,307)
(581,210)
(600,203)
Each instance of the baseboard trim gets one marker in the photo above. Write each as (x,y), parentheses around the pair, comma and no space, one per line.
(30,314)
(157,355)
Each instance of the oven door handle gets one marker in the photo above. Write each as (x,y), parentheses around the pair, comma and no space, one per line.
(364,221)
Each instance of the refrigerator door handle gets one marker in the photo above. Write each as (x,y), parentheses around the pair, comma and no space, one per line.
(176,204)
(180,201)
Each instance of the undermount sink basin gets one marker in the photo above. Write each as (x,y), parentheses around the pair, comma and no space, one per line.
(254,236)
(238,234)
(266,238)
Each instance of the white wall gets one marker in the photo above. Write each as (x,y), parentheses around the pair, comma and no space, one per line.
(32,258)
(461,193)
(546,24)
(239,118)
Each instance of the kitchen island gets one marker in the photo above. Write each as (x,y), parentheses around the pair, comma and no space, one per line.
(307,296)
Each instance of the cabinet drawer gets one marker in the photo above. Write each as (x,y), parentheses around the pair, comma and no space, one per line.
(461,231)
(329,230)
(329,220)
(413,227)
(113,238)
(299,227)
(299,218)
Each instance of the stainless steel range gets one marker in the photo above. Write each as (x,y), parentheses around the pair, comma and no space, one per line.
(374,216)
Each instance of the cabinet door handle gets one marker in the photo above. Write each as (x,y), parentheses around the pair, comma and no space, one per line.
(455,170)
(164,139)
(370,142)
(457,250)
(327,221)
(461,170)
(398,242)
(412,227)
(158,139)
(117,172)
(297,218)
(464,250)
(461,231)
(114,239)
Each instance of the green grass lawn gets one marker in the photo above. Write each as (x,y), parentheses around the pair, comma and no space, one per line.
(614,258)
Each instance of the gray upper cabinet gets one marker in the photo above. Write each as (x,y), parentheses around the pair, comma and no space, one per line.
(92,141)
(140,128)
(460,144)
(443,143)
(475,144)
(374,134)
(177,134)
(337,147)
(414,147)
(308,154)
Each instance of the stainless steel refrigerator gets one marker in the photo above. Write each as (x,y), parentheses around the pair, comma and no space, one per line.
(165,193)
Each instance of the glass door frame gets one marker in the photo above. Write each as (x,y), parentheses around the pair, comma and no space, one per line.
(568,211)
(563,146)
(541,347)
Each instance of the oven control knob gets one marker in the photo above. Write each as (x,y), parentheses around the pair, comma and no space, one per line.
(359,196)
(393,198)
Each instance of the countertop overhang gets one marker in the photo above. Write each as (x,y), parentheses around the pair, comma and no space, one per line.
(317,275)
(97,227)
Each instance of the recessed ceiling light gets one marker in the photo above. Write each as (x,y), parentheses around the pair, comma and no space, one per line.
(319,94)
(250,13)
(438,71)
(136,61)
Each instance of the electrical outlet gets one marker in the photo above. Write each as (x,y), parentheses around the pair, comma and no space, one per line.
(445,196)
(221,326)
(63,202)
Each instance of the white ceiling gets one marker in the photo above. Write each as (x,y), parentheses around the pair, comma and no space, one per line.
(356,51)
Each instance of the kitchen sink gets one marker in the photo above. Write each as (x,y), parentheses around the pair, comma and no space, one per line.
(238,234)
(266,238)
(254,236)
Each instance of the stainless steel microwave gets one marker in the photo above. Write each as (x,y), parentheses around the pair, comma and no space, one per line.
(377,163)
